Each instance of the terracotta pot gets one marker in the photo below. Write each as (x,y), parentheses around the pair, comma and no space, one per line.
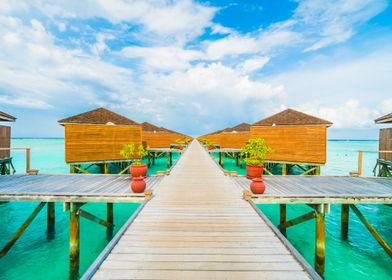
(257,186)
(139,170)
(211,147)
(138,185)
(179,147)
(254,171)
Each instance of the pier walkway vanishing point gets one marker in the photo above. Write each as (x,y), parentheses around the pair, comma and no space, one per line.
(198,226)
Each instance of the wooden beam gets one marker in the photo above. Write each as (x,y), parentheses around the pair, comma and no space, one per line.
(319,260)
(282,208)
(74,241)
(309,171)
(110,221)
(373,231)
(296,221)
(92,218)
(20,231)
(344,221)
(50,220)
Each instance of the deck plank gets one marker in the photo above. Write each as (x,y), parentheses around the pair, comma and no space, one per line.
(197,226)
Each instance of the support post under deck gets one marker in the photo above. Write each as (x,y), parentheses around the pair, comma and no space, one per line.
(110,220)
(283,218)
(74,241)
(320,241)
(345,221)
(51,219)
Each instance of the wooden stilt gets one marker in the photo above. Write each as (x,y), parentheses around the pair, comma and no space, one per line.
(51,219)
(284,169)
(20,231)
(105,168)
(148,159)
(319,260)
(344,221)
(74,241)
(110,221)
(220,158)
(71,169)
(153,158)
(283,218)
(170,159)
(237,159)
(317,171)
(372,230)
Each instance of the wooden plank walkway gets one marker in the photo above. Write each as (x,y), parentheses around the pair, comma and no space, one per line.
(197,226)
(72,188)
(321,189)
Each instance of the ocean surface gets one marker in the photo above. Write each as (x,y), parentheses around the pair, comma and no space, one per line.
(35,257)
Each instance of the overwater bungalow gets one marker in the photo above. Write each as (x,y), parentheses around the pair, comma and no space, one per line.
(236,136)
(384,161)
(214,137)
(296,138)
(160,137)
(97,136)
(5,144)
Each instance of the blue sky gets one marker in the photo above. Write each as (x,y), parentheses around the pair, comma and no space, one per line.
(196,66)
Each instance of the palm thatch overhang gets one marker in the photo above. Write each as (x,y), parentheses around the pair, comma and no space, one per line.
(213,133)
(242,127)
(290,117)
(4,117)
(98,116)
(384,119)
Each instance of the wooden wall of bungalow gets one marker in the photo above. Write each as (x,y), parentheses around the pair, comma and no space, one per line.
(385,137)
(161,139)
(98,136)
(385,143)
(98,142)
(298,144)
(214,137)
(234,140)
(5,134)
(235,137)
(294,137)
(5,140)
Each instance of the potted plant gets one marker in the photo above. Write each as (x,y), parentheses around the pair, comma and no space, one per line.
(138,184)
(180,144)
(136,152)
(254,153)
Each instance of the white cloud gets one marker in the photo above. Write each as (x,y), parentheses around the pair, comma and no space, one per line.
(170,20)
(212,79)
(163,58)
(253,64)
(331,22)
(36,73)
(349,92)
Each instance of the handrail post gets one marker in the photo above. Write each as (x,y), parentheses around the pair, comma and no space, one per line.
(27,160)
(360,158)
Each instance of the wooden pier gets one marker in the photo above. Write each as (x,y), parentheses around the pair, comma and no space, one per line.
(197,226)
(74,191)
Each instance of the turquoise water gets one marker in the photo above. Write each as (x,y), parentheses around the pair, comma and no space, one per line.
(359,258)
(35,257)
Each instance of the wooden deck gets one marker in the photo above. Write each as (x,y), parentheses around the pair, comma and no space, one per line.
(71,188)
(197,226)
(321,189)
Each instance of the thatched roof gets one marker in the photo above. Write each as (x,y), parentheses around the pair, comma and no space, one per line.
(384,119)
(212,133)
(149,127)
(242,127)
(98,116)
(292,117)
(4,117)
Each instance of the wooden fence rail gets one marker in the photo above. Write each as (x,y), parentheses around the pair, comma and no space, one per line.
(360,158)
(28,150)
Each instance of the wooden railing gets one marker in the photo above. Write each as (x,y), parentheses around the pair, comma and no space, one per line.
(360,158)
(28,150)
